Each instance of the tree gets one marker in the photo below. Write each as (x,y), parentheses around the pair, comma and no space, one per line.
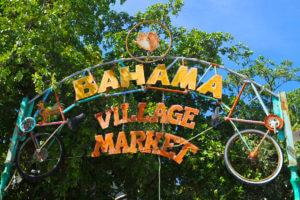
(48,40)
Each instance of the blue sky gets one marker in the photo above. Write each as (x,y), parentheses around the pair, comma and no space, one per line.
(269,28)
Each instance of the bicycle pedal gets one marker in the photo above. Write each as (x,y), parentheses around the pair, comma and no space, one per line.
(215,118)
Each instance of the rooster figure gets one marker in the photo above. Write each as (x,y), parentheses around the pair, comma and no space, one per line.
(148,41)
(45,112)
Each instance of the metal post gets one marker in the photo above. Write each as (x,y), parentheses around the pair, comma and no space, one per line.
(295,179)
(25,111)
(260,100)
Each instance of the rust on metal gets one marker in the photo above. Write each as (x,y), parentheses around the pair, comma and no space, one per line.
(155,41)
(147,143)
(288,130)
(45,112)
(245,121)
(168,90)
(214,64)
(51,123)
(253,155)
(260,143)
(147,41)
(273,119)
(59,105)
(236,101)
(189,114)
(160,111)
(141,118)
(176,115)
(103,123)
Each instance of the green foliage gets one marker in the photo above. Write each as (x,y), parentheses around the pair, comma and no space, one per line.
(42,42)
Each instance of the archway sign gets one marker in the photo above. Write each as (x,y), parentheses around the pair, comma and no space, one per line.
(47,149)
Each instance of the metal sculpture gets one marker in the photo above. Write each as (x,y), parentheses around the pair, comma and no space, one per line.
(148,41)
(252,144)
(46,112)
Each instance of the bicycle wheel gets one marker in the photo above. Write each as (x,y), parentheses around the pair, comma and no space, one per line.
(34,166)
(259,170)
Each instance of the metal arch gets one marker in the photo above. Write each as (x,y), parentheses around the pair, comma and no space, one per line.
(244,77)
(279,104)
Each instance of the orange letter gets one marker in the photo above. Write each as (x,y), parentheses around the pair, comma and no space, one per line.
(141,113)
(104,144)
(160,111)
(103,124)
(167,144)
(150,142)
(177,115)
(185,148)
(117,120)
(124,107)
(188,116)
(133,142)
(121,142)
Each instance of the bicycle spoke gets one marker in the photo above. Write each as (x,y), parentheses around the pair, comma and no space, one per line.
(253,168)
(37,164)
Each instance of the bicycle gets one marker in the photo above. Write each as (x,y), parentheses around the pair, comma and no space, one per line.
(34,160)
(252,156)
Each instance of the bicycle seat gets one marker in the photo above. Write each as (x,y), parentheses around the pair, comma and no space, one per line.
(73,123)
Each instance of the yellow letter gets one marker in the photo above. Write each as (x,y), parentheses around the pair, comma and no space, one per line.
(85,87)
(108,80)
(138,75)
(185,78)
(159,74)
(213,85)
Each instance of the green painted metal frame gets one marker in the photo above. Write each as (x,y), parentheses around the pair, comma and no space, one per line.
(280,106)
(25,111)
